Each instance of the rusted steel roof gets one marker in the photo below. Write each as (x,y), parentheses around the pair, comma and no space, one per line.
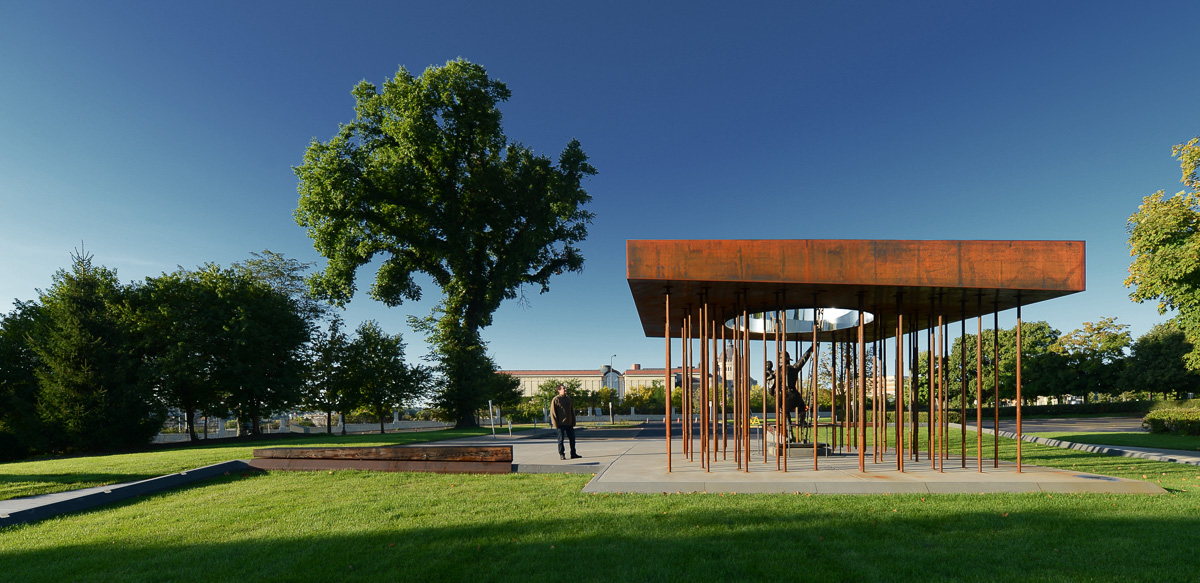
(885,277)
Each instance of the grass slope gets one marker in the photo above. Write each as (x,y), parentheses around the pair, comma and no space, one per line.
(31,478)
(428,527)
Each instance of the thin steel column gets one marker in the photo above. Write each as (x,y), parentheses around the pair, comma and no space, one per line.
(705,442)
(979,383)
(1020,348)
(899,387)
(763,432)
(930,336)
(746,381)
(996,380)
(941,405)
(962,377)
(685,386)
(816,407)
(862,385)
(667,373)
(781,397)
(724,368)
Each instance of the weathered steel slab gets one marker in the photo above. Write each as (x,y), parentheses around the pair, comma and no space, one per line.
(887,277)
(378,465)
(399,453)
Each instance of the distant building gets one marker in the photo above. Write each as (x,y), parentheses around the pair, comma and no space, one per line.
(593,380)
(590,380)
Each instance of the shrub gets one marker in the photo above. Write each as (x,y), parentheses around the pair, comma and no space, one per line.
(1183,421)
(1177,404)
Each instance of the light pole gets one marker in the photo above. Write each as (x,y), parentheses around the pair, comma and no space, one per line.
(610,369)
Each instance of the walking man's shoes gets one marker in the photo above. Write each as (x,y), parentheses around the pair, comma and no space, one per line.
(575,456)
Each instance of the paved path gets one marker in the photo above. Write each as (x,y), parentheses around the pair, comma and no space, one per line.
(636,461)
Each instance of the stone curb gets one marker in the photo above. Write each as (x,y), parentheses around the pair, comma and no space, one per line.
(35,508)
(1101,449)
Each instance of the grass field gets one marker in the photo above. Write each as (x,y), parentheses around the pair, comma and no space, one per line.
(46,476)
(425,527)
(1154,440)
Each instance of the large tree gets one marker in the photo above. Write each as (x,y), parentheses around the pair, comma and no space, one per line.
(328,386)
(1156,364)
(1164,241)
(90,393)
(1094,355)
(425,181)
(21,430)
(381,378)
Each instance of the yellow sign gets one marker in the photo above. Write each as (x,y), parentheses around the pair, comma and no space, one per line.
(755,421)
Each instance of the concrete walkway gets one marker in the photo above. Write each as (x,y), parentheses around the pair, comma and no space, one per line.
(634,460)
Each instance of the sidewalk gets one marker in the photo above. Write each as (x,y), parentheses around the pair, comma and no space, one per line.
(626,460)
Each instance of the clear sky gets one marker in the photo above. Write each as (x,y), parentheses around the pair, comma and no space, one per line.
(163,134)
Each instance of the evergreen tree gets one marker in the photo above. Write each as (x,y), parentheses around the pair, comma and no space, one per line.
(89,390)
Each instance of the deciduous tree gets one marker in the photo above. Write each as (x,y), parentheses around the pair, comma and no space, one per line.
(1156,363)
(424,181)
(1164,241)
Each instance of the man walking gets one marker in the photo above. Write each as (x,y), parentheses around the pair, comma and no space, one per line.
(562,415)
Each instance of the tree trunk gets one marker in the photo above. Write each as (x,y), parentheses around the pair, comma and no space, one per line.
(190,421)
(329,422)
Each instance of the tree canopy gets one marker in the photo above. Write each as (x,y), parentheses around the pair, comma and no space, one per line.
(425,181)
(1164,241)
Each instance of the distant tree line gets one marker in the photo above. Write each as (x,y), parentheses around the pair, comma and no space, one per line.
(95,365)
(1098,361)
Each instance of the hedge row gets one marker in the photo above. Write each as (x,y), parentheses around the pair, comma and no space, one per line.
(1177,404)
(1184,421)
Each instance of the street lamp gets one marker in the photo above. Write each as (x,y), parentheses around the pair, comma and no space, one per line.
(610,370)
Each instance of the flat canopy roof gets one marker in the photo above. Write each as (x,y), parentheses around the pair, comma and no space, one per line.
(888,277)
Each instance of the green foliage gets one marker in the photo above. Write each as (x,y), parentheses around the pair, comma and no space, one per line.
(1179,404)
(328,386)
(1157,363)
(1040,369)
(649,399)
(377,370)
(425,179)
(90,396)
(1164,241)
(1094,358)
(21,431)
(1183,421)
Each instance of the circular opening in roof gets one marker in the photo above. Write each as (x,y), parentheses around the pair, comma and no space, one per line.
(799,321)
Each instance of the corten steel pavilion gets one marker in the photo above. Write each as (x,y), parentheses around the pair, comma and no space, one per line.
(854,297)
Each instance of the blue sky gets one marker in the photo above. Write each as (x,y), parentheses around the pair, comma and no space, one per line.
(162,134)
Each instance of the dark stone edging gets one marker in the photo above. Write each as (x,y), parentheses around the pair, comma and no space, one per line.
(1090,448)
(35,508)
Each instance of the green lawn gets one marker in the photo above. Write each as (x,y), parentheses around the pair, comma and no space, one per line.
(19,479)
(1155,440)
(426,527)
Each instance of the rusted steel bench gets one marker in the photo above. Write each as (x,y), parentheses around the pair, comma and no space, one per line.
(443,459)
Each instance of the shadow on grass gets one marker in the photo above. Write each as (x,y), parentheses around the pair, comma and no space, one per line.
(667,539)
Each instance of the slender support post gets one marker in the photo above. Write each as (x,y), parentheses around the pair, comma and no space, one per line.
(862,386)
(667,368)
(979,383)
(962,378)
(996,381)
(899,387)
(1020,348)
